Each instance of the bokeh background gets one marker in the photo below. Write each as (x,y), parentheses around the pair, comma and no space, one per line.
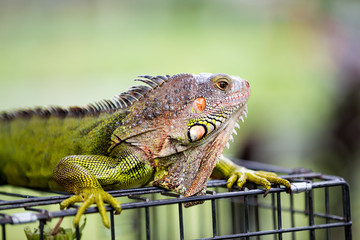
(302,59)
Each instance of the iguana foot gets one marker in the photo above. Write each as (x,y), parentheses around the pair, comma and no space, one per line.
(240,175)
(89,196)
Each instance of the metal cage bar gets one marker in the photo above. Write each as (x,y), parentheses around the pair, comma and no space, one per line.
(247,209)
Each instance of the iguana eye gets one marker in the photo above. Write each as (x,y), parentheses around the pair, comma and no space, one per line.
(222,84)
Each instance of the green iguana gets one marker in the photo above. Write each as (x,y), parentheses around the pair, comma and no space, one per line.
(169,133)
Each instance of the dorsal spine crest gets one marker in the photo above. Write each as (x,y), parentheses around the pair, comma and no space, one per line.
(121,101)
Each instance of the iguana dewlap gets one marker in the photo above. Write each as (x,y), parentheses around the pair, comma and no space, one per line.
(170,133)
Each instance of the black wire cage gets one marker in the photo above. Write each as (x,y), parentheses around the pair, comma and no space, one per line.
(317,208)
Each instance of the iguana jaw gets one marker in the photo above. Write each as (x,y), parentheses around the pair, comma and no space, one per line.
(212,150)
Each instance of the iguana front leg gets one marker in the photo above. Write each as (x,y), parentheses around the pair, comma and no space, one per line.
(234,173)
(86,175)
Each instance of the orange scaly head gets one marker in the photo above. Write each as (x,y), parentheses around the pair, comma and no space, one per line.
(181,126)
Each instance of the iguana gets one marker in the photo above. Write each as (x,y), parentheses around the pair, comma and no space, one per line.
(170,133)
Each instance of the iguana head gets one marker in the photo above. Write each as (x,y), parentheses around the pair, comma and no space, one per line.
(182,125)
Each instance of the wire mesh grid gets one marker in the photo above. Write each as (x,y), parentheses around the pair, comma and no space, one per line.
(318,208)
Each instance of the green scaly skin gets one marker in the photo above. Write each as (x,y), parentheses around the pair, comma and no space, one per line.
(169,134)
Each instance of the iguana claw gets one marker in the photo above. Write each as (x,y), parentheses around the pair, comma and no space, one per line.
(240,175)
(89,196)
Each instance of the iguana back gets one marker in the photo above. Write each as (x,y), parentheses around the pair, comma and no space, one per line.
(32,146)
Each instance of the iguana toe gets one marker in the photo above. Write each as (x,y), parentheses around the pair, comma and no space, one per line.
(71,200)
(90,196)
(240,175)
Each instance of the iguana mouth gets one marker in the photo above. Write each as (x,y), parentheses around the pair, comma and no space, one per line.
(237,99)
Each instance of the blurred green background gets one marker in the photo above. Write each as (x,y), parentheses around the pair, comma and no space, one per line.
(302,60)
